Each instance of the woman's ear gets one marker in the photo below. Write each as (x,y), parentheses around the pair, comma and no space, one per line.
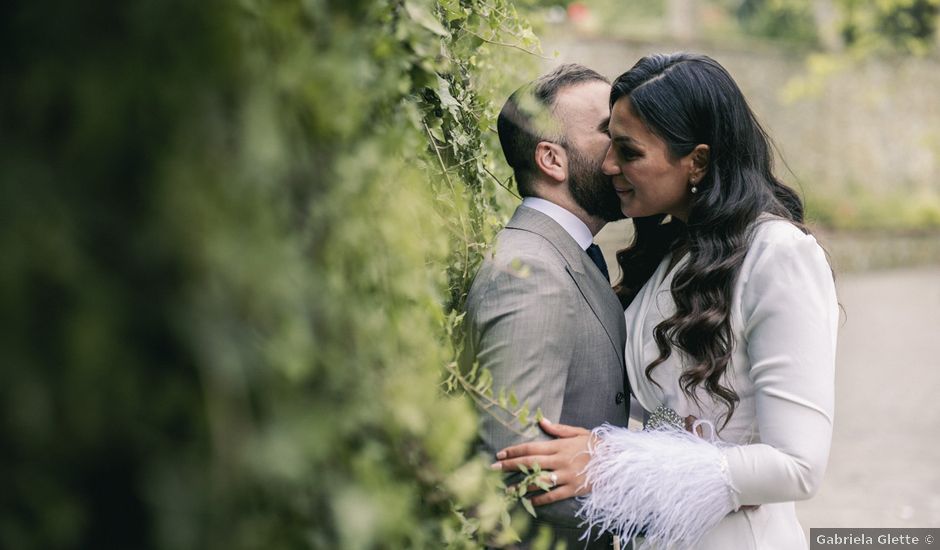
(552,160)
(700,157)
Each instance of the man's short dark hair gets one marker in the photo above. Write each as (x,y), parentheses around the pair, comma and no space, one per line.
(527,118)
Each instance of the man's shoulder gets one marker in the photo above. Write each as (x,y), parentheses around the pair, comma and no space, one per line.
(513,242)
(519,262)
(516,250)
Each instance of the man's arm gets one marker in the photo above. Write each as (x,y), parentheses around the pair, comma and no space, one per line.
(521,325)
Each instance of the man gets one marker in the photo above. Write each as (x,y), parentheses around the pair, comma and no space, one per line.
(541,314)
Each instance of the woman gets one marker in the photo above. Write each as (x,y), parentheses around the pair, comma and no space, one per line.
(731,318)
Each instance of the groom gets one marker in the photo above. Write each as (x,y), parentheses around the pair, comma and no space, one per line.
(541,314)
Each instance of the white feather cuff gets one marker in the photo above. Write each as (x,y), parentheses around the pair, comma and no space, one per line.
(669,485)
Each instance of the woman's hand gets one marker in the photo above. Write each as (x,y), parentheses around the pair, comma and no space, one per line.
(562,460)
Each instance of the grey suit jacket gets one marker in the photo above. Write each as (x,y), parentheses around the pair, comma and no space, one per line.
(546,323)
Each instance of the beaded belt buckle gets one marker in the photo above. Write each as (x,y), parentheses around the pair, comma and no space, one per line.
(664,417)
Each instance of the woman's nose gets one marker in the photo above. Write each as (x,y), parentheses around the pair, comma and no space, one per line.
(610,166)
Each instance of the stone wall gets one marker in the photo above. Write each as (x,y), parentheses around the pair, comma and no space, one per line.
(871,129)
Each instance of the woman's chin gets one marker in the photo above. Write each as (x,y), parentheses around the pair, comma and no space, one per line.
(627,202)
(630,210)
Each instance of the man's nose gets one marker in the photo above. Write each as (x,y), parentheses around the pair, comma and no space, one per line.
(610,166)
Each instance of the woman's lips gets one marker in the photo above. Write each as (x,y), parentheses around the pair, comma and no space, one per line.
(621,186)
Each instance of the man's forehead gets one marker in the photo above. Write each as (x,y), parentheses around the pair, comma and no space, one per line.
(584,100)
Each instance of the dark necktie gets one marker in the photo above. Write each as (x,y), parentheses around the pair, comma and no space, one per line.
(594,252)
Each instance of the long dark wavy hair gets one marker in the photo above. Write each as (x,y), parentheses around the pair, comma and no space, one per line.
(687,100)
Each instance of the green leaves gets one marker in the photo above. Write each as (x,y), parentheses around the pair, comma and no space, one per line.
(421,14)
(244,251)
(475,68)
(275,294)
(527,504)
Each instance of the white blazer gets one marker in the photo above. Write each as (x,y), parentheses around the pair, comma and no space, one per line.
(774,449)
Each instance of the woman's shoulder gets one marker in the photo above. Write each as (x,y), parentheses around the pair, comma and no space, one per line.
(773,233)
(776,239)
(784,266)
(777,245)
(770,229)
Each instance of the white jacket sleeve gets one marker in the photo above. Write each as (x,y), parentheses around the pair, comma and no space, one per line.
(790,316)
(668,484)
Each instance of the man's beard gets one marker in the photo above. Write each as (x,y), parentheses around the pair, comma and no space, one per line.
(591,189)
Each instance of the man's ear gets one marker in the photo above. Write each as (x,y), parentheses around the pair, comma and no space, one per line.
(552,160)
(700,157)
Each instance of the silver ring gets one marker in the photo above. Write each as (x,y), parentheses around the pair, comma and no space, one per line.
(554,479)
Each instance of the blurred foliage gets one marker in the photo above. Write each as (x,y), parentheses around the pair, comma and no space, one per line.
(892,211)
(865,27)
(225,317)
(645,19)
(877,249)
(886,26)
(882,27)
(781,20)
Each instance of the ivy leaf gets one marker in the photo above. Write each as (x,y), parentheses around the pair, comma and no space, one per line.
(542,484)
(520,269)
(528,37)
(452,10)
(484,384)
(527,504)
(424,18)
(443,92)
(472,375)
(438,134)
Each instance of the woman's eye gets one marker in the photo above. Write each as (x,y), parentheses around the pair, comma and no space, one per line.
(627,153)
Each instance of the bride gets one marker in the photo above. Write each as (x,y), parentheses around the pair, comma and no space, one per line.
(731,318)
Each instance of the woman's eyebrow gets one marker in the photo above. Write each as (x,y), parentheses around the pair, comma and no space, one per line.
(626,139)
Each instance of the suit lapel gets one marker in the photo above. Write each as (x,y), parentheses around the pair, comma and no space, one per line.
(595,290)
(603,303)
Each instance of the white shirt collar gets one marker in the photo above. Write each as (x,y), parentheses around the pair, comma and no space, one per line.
(569,222)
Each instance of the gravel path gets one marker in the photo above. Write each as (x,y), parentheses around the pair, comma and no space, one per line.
(884,470)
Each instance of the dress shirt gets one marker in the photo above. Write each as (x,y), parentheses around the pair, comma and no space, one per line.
(569,222)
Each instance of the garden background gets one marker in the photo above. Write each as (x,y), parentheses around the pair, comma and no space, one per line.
(237,236)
